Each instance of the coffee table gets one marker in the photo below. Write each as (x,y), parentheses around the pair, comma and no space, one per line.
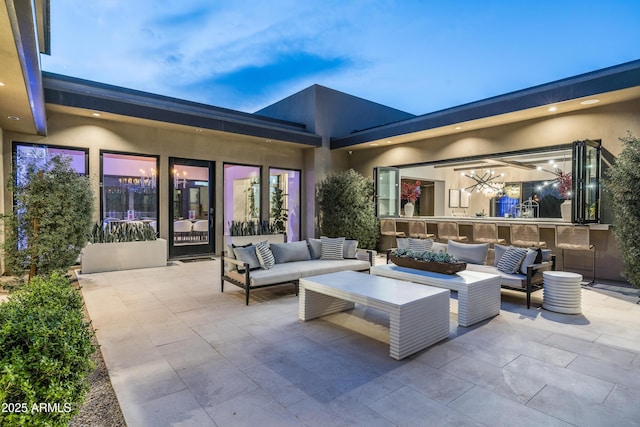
(478,293)
(418,314)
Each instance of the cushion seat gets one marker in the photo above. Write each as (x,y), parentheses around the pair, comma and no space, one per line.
(293,271)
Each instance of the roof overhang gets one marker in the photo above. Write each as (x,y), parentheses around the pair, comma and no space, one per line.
(24,34)
(123,104)
(609,85)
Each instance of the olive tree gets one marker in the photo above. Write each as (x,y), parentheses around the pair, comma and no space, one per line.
(623,186)
(51,216)
(347,209)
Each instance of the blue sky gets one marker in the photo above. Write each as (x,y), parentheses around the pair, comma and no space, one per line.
(417,56)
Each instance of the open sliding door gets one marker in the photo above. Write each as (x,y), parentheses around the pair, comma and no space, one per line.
(387,191)
(586,181)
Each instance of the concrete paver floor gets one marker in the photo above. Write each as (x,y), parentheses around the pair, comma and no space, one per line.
(181,353)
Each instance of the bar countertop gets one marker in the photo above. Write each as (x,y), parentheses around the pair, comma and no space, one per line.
(542,222)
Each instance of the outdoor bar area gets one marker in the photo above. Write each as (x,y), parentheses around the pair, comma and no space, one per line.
(547,198)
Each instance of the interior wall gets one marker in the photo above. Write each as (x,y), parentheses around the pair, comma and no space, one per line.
(96,134)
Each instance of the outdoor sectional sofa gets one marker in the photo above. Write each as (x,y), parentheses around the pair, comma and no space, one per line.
(479,257)
(292,261)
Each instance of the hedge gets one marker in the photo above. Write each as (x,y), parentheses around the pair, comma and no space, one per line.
(45,349)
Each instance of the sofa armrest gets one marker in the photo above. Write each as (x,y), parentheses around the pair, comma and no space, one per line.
(369,253)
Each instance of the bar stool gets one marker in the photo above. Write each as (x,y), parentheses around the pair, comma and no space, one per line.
(575,238)
(486,233)
(418,229)
(388,228)
(449,231)
(526,235)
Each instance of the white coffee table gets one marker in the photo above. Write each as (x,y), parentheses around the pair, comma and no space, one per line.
(418,315)
(478,293)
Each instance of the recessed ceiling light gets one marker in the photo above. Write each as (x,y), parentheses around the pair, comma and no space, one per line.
(95,114)
(375,144)
(16,118)
(458,127)
(389,142)
(198,130)
(553,109)
(590,102)
(1,84)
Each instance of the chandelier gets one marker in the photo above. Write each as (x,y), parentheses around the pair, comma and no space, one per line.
(486,184)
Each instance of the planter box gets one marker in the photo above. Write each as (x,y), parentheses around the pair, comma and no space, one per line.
(436,267)
(243,240)
(99,257)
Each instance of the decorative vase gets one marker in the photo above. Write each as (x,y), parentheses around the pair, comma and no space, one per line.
(408,209)
(565,210)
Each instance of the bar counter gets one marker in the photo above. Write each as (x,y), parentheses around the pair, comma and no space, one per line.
(608,258)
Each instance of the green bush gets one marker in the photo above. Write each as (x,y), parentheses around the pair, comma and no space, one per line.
(51,217)
(623,186)
(347,208)
(45,349)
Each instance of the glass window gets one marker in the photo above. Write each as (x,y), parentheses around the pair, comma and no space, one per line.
(78,157)
(284,202)
(129,187)
(241,194)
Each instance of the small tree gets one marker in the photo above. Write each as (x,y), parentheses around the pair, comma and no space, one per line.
(347,208)
(51,216)
(623,185)
(278,211)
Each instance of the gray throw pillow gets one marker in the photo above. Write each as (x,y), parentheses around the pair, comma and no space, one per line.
(349,249)
(265,257)
(469,252)
(438,247)
(315,248)
(529,259)
(290,252)
(499,251)
(247,254)
(332,248)
(511,260)
(402,242)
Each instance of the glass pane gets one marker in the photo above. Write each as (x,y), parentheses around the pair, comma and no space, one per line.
(591,165)
(388,191)
(190,205)
(241,195)
(284,202)
(130,190)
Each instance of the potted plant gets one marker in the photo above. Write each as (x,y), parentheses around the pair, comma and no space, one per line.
(410,192)
(123,246)
(438,262)
(252,231)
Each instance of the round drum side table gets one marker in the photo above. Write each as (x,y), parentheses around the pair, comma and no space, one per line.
(562,292)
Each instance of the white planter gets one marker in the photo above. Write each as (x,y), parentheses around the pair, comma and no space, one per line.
(408,209)
(244,240)
(565,210)
(99,257)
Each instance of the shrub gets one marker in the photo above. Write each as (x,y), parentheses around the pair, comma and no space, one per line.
(51,217)
(347,208)
(45,349)
(623,185)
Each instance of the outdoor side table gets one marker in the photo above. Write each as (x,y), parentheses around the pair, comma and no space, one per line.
(562,292)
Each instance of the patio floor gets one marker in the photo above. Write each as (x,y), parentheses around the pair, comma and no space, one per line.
(180,352)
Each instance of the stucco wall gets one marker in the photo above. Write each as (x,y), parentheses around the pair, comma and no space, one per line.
(96,134)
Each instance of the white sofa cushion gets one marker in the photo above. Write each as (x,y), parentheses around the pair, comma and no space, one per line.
(468,252)
(291,271)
